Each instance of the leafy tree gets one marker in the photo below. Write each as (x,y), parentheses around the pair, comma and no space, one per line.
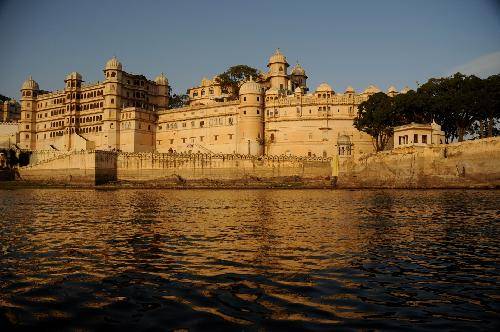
(176,101)
(231,79)
(411,107)
(491,103)
(454,102)
(3,98)
(376,117)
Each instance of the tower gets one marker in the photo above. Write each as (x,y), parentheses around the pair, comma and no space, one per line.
(163,90)
(251,119)
(73,84)
(278,69)
(29,92)
(111,111)
(298,78)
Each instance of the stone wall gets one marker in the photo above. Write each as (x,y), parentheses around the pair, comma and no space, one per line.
(84,167)
(155,166)
(467,164)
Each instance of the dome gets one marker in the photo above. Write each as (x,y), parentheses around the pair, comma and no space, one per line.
(277,57)
(250,86)
(271,92)
(74,76)
(298,70)
(392,89)
(298,90)
(344,140)
(161,79)
(349,89)
(324,87)
(371,89)
(205,82)
(405,89)
(30,84)
(113,63)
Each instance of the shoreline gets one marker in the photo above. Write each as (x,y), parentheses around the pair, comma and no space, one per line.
(221,185)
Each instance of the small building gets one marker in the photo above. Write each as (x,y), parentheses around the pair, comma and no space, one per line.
(418,134)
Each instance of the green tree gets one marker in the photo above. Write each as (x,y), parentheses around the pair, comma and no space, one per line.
(491,103)
(3,98)
(376,117)
(231,79)
(454,102)
(176,101)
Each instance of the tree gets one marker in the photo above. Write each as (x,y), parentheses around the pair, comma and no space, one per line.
(454,102)
(176,101)
(411,107)
(491,102)
(376,117)
(231,79)
(3,98)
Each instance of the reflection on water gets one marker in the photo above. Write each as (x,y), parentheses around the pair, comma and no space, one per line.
(253,259)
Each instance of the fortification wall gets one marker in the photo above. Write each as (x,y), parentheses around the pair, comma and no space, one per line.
(149,167)
(86,167)
(459,165)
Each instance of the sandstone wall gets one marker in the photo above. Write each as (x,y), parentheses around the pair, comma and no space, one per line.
(149,166)
(458,165)
(462,165)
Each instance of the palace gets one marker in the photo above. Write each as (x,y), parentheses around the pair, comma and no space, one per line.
(275,114)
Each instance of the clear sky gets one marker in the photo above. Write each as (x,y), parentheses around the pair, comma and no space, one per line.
(341,42)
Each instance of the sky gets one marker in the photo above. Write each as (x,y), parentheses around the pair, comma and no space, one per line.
(343,43)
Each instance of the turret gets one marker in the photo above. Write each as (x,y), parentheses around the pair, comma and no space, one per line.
(162,82)
(111,111)
(251,119)
(29,92)
(278,71)
(392,91)
(299,78)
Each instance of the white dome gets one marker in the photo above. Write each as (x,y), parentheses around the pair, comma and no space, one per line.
(250,86)
(371,89)
(113,63)
(74,76)
(298,70)
(277,57)
(161,79)
(392,89)
(349,89)
(324,87)
(271,92)
(298,90)
(30,84)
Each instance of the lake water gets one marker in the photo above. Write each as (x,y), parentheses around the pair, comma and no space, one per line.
(249,259)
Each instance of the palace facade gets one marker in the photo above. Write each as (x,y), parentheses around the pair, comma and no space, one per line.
(275,114)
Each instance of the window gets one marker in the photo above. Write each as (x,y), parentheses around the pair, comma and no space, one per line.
(281,86)
(310,136)
(415,138)
(201,138)
(244,112)
(202,123)
(112,100)
(192,123)
(258,98)
(244,98)
(171,141)
(424,139)
(258,111)
(113,74)
(230,120)
(230,136)
(183,140)
(184,124)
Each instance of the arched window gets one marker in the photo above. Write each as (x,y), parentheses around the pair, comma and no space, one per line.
(113,74)
(112,100)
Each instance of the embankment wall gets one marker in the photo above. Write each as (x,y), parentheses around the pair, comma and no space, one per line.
(468,164)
